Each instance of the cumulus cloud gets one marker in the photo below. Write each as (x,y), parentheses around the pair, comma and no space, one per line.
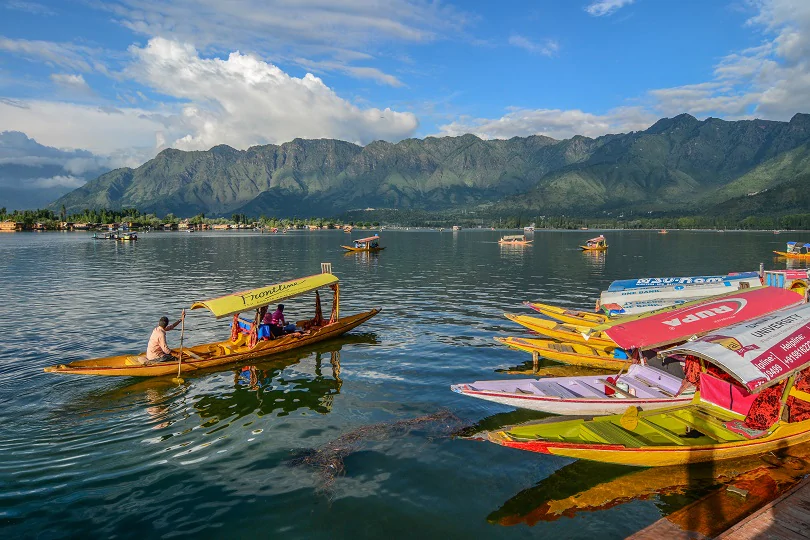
(59,181)
(549,47)
(555,123)
(606,7)
(243,100)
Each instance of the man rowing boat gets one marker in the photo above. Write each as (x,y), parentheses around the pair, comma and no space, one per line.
(157,350)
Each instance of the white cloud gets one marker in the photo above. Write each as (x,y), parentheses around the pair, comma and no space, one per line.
(243,100)
(66,55)
(555,123)
(29,7)
(70,182)
(359,72)
(606,7)
(549,47)
(72,83)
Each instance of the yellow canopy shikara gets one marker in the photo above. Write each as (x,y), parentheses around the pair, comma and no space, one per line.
(239,348)
(232,304)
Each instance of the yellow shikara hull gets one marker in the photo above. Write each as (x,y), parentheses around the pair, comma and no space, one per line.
(783,436)
(351,248)
(210,354)
(581,318)
(793,255)
(573,354)
(562,331)
(593,248)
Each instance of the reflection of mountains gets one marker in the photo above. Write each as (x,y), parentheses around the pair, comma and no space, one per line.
(266,386)
(586,486)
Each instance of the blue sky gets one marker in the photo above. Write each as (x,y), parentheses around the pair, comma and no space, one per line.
(124,79)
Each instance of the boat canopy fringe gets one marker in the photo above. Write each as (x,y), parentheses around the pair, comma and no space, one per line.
(257,298)
(367,240)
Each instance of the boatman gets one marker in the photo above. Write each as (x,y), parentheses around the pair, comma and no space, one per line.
(157,350)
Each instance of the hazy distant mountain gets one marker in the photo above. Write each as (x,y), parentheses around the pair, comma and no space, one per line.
(33,175)
(678,163)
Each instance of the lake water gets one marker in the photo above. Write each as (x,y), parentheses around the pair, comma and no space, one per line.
(216,456)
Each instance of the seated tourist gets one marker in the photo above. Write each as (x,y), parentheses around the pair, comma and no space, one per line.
(278,325)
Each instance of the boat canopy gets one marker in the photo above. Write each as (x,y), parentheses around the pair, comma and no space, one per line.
(599,238)
(757,353)
(623,284)
(671,326)
(369,239)
(513,237)
(256,298)
(794,247)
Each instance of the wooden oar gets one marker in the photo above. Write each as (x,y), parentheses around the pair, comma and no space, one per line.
(179,379)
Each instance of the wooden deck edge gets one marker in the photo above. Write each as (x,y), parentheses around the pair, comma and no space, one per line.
(735,529)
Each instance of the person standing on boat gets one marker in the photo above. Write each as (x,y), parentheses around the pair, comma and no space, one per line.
(157,350)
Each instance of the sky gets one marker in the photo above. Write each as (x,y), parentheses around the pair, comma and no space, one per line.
(119,81)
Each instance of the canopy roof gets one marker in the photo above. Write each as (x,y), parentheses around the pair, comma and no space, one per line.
(622,284)
(369,239)
(256,298)
(671,326)
(758,353)
(514,237)
(597,238)
(800,243)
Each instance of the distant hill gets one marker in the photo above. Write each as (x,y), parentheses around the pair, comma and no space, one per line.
(678,163)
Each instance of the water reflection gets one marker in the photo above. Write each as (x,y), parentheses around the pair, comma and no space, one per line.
(514,252)
(364,258)
(595,261)
(695,497)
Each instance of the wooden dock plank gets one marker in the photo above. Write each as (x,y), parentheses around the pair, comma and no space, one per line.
(786,517)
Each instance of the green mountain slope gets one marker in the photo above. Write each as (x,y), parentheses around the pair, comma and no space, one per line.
(678,163)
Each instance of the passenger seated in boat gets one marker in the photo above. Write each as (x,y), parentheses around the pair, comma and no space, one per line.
(157,350)
(278,326)
(375,245)
(357,244)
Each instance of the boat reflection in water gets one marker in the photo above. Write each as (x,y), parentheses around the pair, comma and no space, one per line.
(706,498)
(595,261)
(270,387)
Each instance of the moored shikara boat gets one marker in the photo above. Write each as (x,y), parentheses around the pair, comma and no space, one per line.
(570,333)
(365,244)
(795,250)
(248,340)
(754,397)
(571,316)
(574,354)
(641,386)
(595,244)
(514,240)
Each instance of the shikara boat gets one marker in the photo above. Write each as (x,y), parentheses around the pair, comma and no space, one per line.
(795,250)
(127,237)
(574,354)
(365,244)
(763,406)
(249,339)
(794,280)
(641,386)
(598,243)
(632,296)
(570,333)
(514,240)
(570,316)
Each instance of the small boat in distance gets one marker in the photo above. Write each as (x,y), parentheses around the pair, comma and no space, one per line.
(527,228)
(249,339)
(456,227)
(663,231)
(595,244)
(514,240)
(127,237)
(372,243)
(795,250)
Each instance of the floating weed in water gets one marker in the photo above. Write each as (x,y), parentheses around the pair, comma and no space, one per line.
(327,460)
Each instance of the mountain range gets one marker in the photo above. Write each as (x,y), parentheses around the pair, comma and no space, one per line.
(678,164)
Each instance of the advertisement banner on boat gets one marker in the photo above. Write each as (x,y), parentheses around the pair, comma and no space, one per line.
(623,284)
(255,298)
(702,317)
(761,351)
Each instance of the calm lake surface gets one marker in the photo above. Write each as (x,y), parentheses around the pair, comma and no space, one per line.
(215,456)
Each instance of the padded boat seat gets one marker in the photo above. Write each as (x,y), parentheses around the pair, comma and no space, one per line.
(550,388)
(610,433)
